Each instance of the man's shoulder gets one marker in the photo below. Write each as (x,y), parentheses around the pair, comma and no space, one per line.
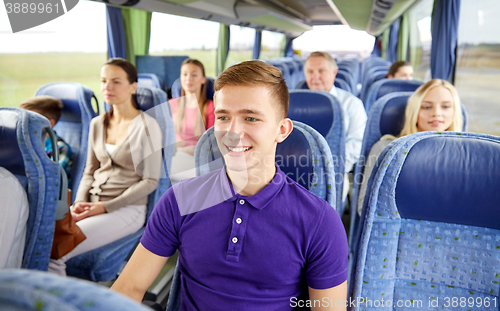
(199,193)
(295,192)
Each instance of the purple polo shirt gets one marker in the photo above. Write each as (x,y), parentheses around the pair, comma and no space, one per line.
(247,253)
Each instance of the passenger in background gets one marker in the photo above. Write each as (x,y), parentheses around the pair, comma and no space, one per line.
(111,199)
(435,106)
(14,211)
(400,70)
(51,108)
(192,118)
(320,70)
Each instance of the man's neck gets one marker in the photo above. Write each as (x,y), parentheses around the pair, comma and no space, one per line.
(251,181)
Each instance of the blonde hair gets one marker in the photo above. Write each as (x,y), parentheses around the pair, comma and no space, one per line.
(325,55)
(179,123)
(415,102)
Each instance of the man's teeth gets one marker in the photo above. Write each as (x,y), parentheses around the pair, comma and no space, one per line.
(238,149)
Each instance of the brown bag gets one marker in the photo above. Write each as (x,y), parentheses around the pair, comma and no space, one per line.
(67,234)
(66,237)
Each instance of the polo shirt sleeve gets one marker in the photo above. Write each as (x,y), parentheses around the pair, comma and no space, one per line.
(327,259)
(161,234)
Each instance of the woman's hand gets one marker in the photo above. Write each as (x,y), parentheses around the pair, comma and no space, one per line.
(82,210)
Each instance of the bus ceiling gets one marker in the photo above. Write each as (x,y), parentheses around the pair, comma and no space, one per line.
(291,17)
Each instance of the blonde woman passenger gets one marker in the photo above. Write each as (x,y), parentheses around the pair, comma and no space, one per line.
(435,106)
(121,169)
(192,113)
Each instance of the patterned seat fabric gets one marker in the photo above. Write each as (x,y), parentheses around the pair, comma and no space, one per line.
(431,233)
(321,111)
(73,126)
(22,145)
(22,290)
(103,264)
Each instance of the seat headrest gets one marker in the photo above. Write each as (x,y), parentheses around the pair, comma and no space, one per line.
(294,157)
(73,95)
(395,85)
(176,88)
(451,177)
(148,80)
(10,156)
(313,108)
(392,118)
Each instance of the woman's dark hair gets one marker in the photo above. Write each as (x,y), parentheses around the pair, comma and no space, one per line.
(132,77)
(395,67)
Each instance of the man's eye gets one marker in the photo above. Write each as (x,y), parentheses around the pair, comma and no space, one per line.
(251,119)
(222,118)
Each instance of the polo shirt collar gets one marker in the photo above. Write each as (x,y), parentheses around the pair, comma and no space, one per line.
(262,198)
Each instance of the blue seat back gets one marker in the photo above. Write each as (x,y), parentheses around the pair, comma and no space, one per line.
(22,145)
(373,75)
(321,111)
(103,264)
(341,84)
(386,86)
(303,141)
(149,80)
(177,88)
(22,290)
(73,126)
(166,68)
(431,226)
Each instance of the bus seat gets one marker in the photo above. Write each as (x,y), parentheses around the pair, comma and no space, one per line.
(284,71)
(386,117)
(386,86)
(431,229)
(177,88)
(33,290)
(341,84)
(321,111)
(73,126)
(373,74)
(371,62)
(303,141)
(148,80)
(166,68)
(103,264)
(22,145)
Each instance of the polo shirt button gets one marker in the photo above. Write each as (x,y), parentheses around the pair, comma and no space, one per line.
(235,240)
(242,202)
(238,220)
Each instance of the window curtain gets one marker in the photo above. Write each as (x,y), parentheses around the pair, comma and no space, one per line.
(444,37)
(137,24)
(223,47)
(257,44)
(377,47)
(403,40)
(392,45)
(288,51)
(116,33)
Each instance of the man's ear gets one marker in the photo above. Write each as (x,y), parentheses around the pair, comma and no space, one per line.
(286,127)
(335,71)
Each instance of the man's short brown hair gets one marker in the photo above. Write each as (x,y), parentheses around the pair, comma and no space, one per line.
(47,106)
(257,73)
(324,55)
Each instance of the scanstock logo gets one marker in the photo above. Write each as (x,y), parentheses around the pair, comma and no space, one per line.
(26,14)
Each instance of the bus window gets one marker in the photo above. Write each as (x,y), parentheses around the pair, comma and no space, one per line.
(240,44)
(271,44)
(71,48)
(177,35)
(421,39)
(478,64)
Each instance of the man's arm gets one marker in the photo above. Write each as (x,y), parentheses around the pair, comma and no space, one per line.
(331,298)
(139,273)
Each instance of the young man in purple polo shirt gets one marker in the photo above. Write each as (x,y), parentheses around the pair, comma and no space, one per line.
(249,238)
